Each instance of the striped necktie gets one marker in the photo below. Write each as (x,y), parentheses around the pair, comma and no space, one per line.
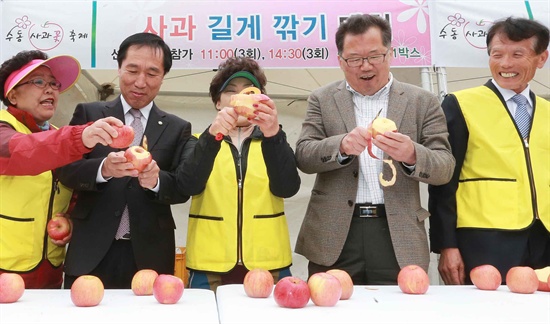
(522,117)
(123,231)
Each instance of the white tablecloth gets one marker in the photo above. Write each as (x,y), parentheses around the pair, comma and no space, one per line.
(117,306)
(387,304)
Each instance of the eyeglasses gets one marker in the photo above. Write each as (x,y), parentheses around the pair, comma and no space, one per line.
(358,61)
(41,83)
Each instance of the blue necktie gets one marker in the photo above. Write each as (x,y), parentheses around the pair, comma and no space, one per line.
(522,117)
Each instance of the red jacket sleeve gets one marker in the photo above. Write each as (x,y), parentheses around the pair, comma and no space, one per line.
(32,154)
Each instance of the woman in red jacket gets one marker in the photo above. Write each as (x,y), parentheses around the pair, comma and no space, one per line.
(30,149)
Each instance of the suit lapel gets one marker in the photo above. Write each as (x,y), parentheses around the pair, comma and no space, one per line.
(344,103)
(114,109)
(156,124)
(397,104)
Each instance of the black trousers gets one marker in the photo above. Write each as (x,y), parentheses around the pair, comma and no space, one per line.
(368,254)
(505,249)
(117,268)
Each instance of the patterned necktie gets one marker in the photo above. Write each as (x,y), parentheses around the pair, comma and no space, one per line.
(522,117)
(123,231)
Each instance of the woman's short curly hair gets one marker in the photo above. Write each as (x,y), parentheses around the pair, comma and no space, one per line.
(230,67)
(15,63)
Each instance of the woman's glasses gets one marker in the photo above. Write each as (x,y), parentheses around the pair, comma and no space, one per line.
(41,83)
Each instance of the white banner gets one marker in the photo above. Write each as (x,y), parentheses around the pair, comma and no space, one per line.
(459,28)
(279,33)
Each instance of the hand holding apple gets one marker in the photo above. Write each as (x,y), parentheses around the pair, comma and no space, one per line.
(142,282)
(59,227)
(149,177)
(12,287)
(138,156)
(412,279)
(258,283)
(291,292)
(245,100)
(116,165)
(522,280)
(87,291)
(325,289)
(168,289)
(102,131)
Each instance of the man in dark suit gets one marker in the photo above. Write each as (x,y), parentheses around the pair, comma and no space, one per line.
(110,189)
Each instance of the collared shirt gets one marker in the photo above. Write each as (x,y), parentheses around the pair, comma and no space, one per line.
(366,110)
(129,118)
(507,95)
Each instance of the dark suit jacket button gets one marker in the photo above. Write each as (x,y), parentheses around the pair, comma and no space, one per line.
(355,174)
(350,203)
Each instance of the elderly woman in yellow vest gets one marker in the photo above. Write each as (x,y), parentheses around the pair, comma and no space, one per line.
(241,171)
(30,149)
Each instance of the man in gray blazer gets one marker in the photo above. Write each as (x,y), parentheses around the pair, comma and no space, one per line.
(352,222)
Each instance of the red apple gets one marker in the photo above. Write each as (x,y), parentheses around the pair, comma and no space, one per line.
(291,292)
(125,137)
(258,283)
(87,291)
(168,289)
(59,227)
(412,279)
(522,280)
(325,289)
(486,277)
(138,156)
(12,287)
(544,278)
(345,282)
(142,282)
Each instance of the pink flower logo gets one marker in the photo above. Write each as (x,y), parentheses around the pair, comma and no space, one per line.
(23,22)
(456,20)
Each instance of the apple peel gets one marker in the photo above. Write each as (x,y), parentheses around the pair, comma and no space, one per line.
(379,126)
(391,182)
(244,101)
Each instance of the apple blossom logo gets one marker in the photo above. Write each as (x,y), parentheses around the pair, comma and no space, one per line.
(475,34)
(46,36)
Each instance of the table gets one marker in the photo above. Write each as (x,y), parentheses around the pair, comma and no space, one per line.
(387,304)
(118,306)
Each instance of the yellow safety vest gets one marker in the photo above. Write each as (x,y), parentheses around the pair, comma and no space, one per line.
(214,233)
(26,205)
(502,184)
